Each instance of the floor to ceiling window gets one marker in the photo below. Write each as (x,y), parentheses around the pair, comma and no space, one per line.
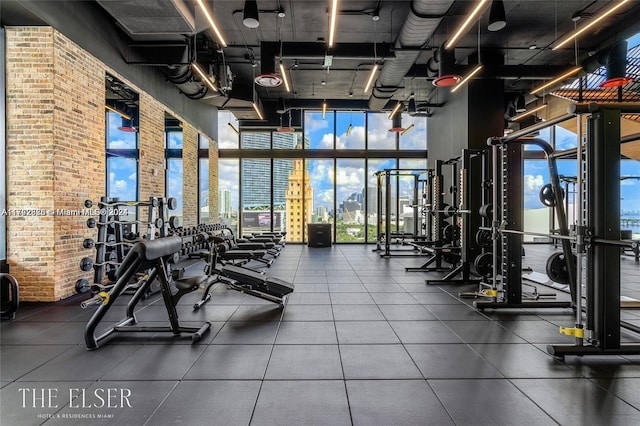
(285,180)
(174,165)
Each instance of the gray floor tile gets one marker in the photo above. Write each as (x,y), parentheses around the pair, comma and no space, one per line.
(280,402)
(406,313)
(537,331)
(453,361)
(423,332)
(312,288)
(351,299)
(357,313)
(157,362)
(308,313)
(523,361)
(436,299)
(18,360)
(483,332)
(393,299)
(305,362)
(252,333)
(578,401)
(488,402)
(264,313)
(394,402)
(208,402)
(79,364)
(456,313)
(625,389)
(347,288)
(309,299)
(365,332)
(231,362)
(309,333)
(384,288)
(377,362)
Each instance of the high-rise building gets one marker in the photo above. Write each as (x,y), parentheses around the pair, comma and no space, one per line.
(299,203)
(224,201)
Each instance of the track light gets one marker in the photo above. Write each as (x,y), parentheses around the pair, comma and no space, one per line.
(531,111)
(556,80)
(258,111)
(212,23)
(120,113)
(395,110)
(497,20)
(396,126)
(373,74)
(233,128)
(461,29)
(577,33)
(284,77)
(412,109)
(349,129)
(407,130)
(250,17)
(469,76)
(324,109)
(204,77)
(332,21)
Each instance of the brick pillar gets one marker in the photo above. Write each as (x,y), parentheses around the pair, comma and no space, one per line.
(214,208)
(190,175)
(151,173)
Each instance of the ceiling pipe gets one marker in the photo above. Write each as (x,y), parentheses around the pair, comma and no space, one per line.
(419,26)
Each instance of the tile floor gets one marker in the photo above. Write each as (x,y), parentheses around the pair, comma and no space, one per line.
(360,342)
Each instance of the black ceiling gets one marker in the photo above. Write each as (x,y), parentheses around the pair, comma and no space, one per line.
(532,29)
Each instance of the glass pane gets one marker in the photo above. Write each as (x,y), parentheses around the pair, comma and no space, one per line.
(282,172)
(378,134)
(174,140)
(203,142)
(416,136)
(117,139)
(256,140)
(287,140)
(317,131)
(227,130)
(536,215)
(565,139)
(630,196)
(123,181)
(174,184)
(203,186)
(256,195)
(319,195)
(350,130)
(409,215)
(350,190)
(229,192)
(568,172)
(372,195)
(544,134)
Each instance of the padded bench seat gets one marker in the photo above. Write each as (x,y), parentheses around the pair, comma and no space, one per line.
(273,286)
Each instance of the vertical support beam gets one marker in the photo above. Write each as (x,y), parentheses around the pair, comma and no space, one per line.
(604,222)
(513,218)
(3,170)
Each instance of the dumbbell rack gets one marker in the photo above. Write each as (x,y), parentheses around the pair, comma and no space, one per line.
(115,236)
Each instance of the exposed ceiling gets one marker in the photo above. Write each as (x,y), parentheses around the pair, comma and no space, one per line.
(402,40)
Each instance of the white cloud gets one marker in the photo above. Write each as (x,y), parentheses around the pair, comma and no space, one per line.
(120,144)
(326,142)
(314,121)
(533,183)
(133,176)
(120,185)
(227,138)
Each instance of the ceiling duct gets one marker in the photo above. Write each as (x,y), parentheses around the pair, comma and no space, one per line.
(182,76)
(419,26)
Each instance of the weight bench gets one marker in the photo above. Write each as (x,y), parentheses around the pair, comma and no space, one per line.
(250,282)
(144,255)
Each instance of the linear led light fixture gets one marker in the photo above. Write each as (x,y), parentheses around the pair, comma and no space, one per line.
(258,111)
(556,80)
(284,77)
(407,130)
(204,77)
(234,128)
(531,111)
(324,109)
(332,22)
(120,113)
(373,73)
(395,110)
(469,76)
(214,27)
(461,29)
(580,31)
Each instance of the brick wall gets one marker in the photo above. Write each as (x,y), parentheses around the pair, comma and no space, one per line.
(214,208)
(190,175)
(56,157)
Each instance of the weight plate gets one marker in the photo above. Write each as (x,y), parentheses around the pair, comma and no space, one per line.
(484,239)
(91,223)
(172,203)
(82,285)
(154,202)
(159,222)
(547,197)
(557,268)
(88,203)
(88,243)
(484,264)
(486,211)
(174,222)
(86,264)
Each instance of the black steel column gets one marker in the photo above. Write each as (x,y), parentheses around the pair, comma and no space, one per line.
(512,215)
(604,222)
